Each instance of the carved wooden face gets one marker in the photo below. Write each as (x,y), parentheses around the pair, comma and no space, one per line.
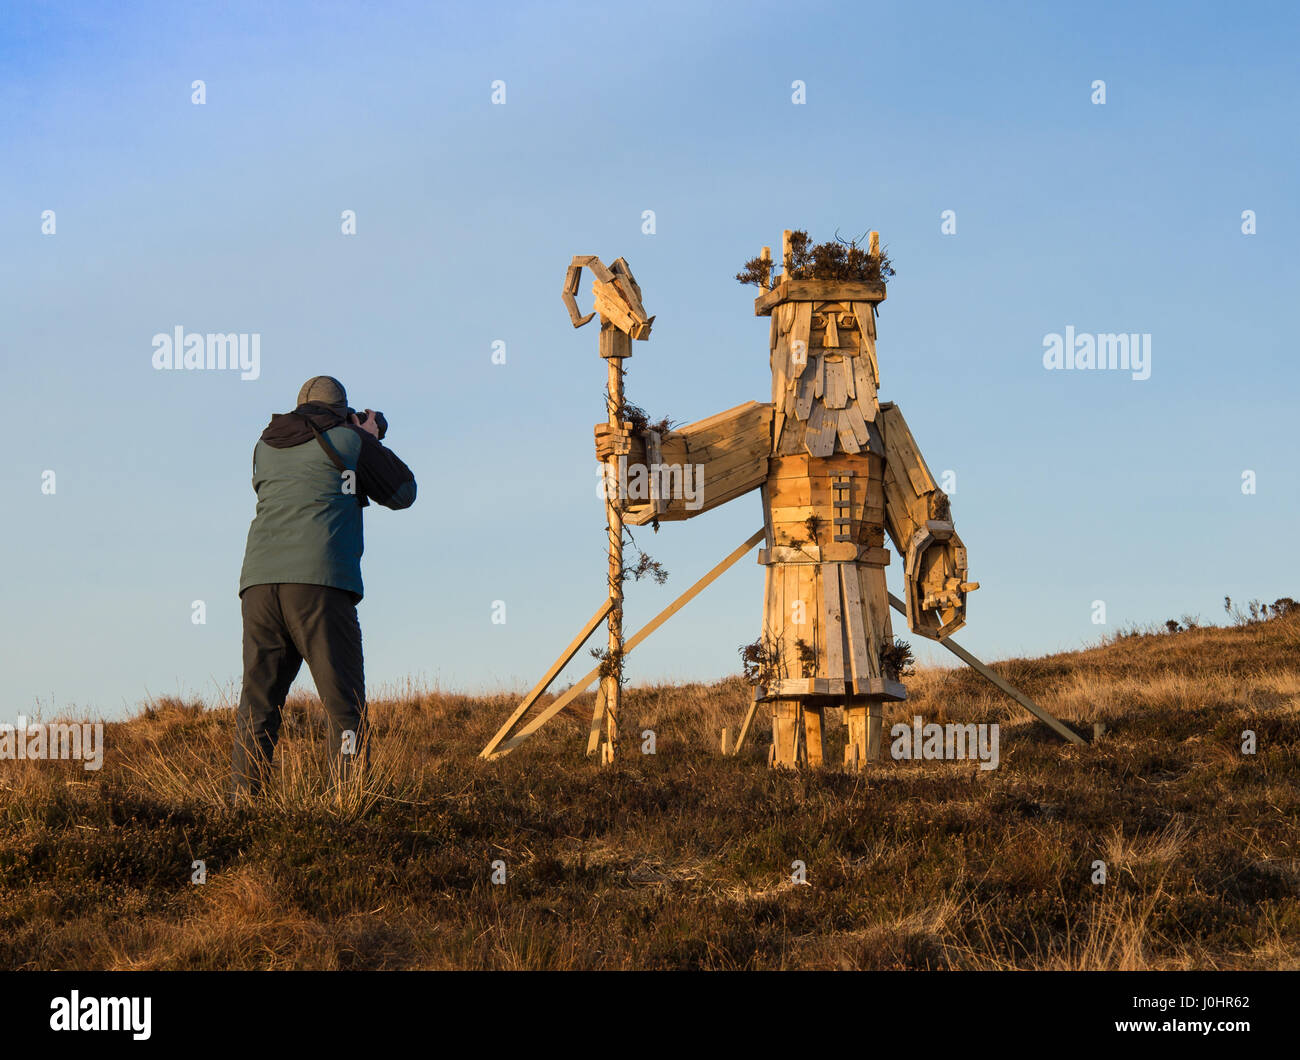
(835,330)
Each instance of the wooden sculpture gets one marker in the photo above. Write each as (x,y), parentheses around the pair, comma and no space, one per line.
(837,471)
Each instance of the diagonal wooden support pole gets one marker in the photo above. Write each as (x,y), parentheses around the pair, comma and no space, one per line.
(545,682)
(583,683)
(597,722)
(744,726)
(1038,712)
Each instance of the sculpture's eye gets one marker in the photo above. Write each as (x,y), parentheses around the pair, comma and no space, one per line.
(848,320)
(819,320)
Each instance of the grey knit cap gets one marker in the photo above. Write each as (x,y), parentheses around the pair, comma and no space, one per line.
(324,389)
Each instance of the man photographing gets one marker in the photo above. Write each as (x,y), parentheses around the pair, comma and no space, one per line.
(314,469)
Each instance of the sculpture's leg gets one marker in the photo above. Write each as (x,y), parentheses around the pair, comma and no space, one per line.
(855,750)
(785,733)
(812,727)
(875,721)
(864,719)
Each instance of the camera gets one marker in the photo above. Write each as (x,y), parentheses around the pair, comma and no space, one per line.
(380,422)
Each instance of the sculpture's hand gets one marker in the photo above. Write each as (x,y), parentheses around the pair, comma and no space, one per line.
(612,441)
(936,581)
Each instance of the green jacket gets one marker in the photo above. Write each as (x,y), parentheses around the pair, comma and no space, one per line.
(307,527)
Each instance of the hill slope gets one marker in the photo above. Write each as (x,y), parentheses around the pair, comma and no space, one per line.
(684,858)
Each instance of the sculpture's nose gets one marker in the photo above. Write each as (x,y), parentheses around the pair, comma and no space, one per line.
(831,340)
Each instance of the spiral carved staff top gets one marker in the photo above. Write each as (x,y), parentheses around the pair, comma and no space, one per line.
(617,296)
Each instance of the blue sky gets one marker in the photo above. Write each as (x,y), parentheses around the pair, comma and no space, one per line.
(1071,486)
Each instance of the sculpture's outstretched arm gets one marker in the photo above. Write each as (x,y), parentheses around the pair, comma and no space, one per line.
(919,522)
(689,470)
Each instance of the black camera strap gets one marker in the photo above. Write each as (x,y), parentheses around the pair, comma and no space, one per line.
(335,458)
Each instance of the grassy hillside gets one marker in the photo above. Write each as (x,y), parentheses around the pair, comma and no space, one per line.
(683,859)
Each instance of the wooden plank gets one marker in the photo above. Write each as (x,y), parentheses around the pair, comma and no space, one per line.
(597,722)
(790,514)
(775,615)
(812,729)
(834,618)
(819,439)
(755,440)
(655,458)
(601,613)
(585,682)
(779,554)
(903,453)
(744,465)
(859,655)
(803,402)
(806,686)
(865,386)
(882,688)
(767,518)
(840,552)
(844,430)
(731,435)
(613,308)
(997,681)
(857,424)
(713,493)
(744,477)
(779,362)
(788,290)
(785,737)
(745,725)
(801,332)
(795,466)
(836,388)
(798,580)
(793,492)
(790,492)
(631,293)
(867,344)
(724,416)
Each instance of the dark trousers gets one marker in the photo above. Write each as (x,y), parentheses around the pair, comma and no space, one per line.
(283,625)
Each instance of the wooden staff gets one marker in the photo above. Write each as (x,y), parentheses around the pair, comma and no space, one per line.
(614,346)
(622,319)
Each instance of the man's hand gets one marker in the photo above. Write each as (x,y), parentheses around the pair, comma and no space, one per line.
(612,441)
(370,424)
